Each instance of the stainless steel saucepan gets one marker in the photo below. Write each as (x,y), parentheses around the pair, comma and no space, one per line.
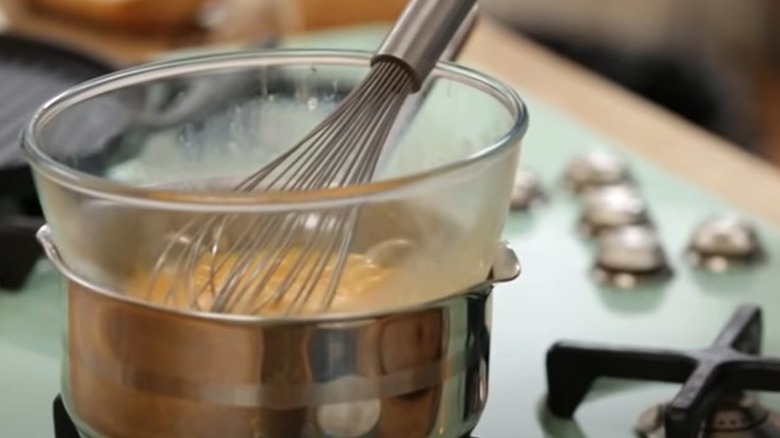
(133,370)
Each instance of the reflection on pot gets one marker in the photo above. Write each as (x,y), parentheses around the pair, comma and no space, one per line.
(132,370)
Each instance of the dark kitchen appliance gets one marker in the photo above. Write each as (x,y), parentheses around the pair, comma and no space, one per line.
(31,72)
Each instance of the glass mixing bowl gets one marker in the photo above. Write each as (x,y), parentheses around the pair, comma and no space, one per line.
(123,162)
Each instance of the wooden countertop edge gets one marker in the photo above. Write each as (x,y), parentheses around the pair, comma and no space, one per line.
(648,130)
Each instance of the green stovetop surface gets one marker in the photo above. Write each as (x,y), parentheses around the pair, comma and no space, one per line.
(553,299)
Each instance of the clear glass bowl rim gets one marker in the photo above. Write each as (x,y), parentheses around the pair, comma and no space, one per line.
(258,201)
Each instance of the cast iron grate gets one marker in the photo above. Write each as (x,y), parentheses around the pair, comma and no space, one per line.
(727,368)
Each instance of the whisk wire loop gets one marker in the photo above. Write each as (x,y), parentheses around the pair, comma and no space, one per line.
(282,259)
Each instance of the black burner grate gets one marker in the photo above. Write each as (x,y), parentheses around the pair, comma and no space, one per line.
(731,365)
(64,427)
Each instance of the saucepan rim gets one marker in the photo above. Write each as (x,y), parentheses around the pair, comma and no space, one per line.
(506,268)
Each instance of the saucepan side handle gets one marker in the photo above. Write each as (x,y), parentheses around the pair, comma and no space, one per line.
(50,249)
(506,266)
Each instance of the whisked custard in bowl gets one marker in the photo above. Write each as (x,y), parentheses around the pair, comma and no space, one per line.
(262,285)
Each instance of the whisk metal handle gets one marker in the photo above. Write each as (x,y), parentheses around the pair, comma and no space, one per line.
(422,33)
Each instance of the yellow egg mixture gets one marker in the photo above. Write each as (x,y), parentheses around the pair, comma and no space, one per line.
(169,288)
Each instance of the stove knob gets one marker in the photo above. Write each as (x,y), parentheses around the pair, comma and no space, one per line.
(724,242)
(630,256)
(610,207)
(527,191)
(596,168)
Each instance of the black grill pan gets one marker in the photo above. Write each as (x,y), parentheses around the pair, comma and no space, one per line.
(31,72)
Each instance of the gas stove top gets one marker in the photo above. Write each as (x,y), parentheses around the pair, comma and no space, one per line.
(581,346)
(712,402)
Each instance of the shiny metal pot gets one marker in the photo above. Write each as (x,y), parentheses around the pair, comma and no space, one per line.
(133,370)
